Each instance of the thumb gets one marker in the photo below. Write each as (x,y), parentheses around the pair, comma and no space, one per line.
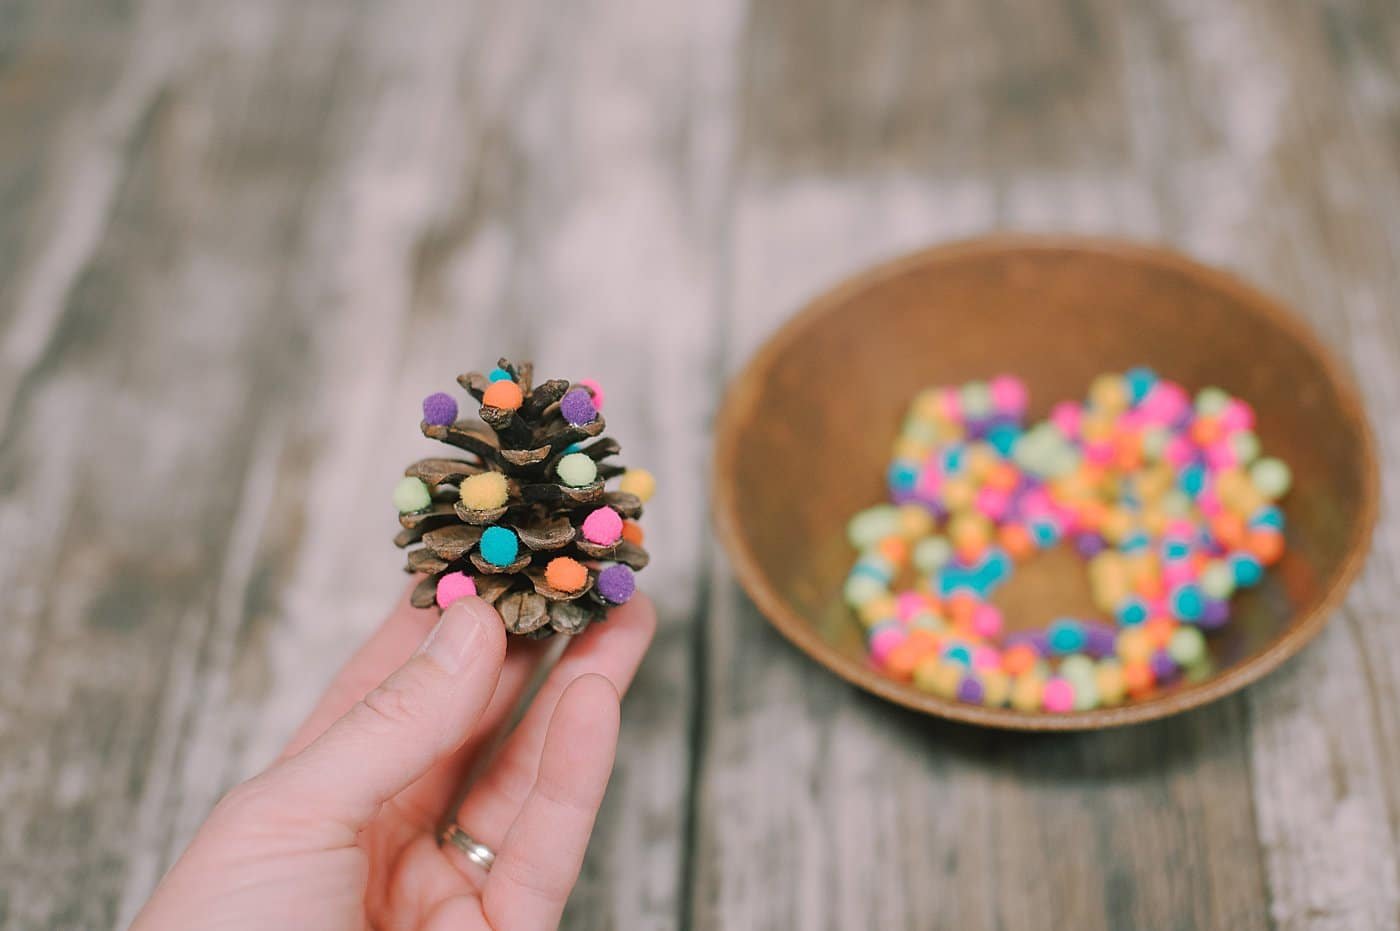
(420,714)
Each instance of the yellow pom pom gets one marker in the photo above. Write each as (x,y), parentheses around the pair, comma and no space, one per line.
(485,491)
(1109,393)
(1025,692)
(638,482)
(878,609)
(996,688)
(914,521)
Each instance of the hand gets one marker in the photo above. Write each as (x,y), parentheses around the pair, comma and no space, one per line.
(342,831)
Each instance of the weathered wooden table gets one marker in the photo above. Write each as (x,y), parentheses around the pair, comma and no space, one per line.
(239,241)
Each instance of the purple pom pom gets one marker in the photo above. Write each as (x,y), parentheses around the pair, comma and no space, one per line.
(439,409)
(970,690)
(1163,666)
(577,407)
(616,584)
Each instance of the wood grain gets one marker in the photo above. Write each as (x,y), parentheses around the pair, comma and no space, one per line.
(238,242)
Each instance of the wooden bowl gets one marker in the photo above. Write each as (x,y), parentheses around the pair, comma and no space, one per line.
(805,433)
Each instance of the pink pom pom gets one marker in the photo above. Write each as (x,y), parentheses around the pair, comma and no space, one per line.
(1058,695)
(992,502)
(1165,402)
(1179,528)
(595,389)
(986,620)
(1237,415)
(1220,455)
(1098,454)
(1177,572)
(985,659)
(883,642)
(949,404)
(909,604)
(454,586)
(930,481)
(1009,395)
(1179,450)
(1066,416)
(603,527)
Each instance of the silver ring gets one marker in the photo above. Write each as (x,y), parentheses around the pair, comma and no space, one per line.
(473,849)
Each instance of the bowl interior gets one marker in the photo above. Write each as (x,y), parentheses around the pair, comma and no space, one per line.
(806,433)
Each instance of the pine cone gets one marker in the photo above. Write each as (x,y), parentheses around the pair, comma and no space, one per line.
(524,520)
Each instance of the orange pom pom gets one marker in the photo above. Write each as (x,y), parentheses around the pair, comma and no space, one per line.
(1138,678)
(902,659)
(961,606)
(923,642)
(632,532)
(1003,476)
(504,394)
(1019,659)
(1016,540)
(1206,431)
(1229,529)
(563,573)
(1267,545)
(1159,631)
(894,550)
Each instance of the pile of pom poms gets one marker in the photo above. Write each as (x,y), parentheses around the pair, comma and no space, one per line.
(499,545)
(1164,496)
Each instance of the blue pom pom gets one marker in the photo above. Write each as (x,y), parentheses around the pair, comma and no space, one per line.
(499,546)
(958,654)
(499,374)
(1066,636)
(1188,603)
(903,475)
(1140,381)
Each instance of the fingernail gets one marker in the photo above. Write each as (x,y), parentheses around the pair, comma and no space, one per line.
(455,637)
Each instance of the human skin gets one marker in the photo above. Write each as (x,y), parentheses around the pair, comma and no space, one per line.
(341,832)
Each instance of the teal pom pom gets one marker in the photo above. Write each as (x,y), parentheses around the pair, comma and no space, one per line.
(499,546)
(499,374)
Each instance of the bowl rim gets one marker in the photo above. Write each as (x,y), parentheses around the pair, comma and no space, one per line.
(802,633)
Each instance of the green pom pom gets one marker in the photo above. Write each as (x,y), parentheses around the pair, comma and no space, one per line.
(872,525)
(1186,646)
(976,400)
(411,494)
(1211,401)
(1272,477)
(1246,446)
(577,470)
(1218,580)
(931,554)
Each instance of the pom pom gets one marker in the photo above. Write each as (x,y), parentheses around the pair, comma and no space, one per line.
(439,409)
(577,407)
(632,532)
(453,586)
(499,546)
(595,389)
(638,482)
(616,584)
(505,395)
(576,470)
(498,374)
(485,491)
(603,527)
(565,574)
(410,495)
